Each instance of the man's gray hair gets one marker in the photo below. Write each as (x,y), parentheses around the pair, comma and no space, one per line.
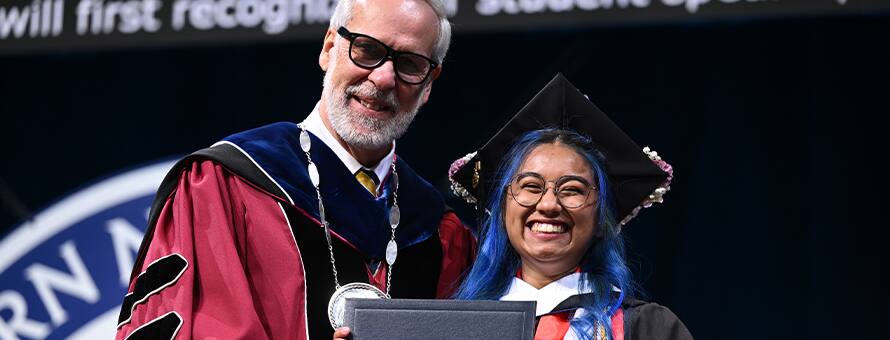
(343,13)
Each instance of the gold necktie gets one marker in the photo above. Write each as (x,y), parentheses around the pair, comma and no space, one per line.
(368,180)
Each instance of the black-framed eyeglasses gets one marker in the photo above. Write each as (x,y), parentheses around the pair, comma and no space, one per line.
(369,53)
(571,192)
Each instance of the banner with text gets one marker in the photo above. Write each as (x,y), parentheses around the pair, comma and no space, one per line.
(60,25)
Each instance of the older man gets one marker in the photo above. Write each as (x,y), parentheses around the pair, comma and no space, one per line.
(263,234)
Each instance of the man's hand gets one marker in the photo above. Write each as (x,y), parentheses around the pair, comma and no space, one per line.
(341,333)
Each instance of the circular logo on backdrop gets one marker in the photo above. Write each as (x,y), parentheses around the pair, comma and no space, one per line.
(64,274)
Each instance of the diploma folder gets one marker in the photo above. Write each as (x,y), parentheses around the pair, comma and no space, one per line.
(374,319)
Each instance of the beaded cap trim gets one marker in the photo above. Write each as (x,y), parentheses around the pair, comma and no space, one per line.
(456,188)
(657,196)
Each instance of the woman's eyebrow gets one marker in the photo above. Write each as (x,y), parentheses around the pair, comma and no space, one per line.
(567,178)
(529,174)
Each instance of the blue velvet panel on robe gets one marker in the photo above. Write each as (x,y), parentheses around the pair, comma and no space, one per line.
(351,210)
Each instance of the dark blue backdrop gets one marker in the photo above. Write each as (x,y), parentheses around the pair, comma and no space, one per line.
(775,225)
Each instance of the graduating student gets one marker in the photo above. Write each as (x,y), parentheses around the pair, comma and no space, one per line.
(263,235)
(554,188)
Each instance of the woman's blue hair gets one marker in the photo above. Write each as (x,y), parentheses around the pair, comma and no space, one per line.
(603,265)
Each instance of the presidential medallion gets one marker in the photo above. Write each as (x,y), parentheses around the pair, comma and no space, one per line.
(337,304)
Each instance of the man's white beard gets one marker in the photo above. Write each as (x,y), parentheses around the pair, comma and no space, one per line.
(347,124)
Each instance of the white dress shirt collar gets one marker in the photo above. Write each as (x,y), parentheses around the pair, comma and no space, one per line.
(314,124)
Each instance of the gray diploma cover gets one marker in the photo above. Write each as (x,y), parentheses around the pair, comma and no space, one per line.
(372,319)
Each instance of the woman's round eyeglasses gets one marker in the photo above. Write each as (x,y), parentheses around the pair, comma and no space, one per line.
(571,192)
(369,53)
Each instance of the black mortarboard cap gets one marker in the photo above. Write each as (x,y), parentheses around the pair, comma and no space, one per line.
(635,177)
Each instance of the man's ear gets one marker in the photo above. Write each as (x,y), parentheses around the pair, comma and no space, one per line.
(325,56)
(429,86)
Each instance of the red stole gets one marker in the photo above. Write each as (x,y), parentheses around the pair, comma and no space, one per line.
(553,326)
(556,326)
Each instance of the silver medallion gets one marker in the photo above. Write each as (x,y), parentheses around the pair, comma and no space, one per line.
(305,142)
(337,304)
(392,251)
(313,174)
(395,216)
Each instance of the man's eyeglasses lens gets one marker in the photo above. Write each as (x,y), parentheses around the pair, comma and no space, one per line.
(369,53)
(529,190)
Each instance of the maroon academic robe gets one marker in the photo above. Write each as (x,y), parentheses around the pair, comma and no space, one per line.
(228,259)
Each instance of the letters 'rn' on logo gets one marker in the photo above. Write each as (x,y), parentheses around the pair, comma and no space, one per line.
(64,274)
